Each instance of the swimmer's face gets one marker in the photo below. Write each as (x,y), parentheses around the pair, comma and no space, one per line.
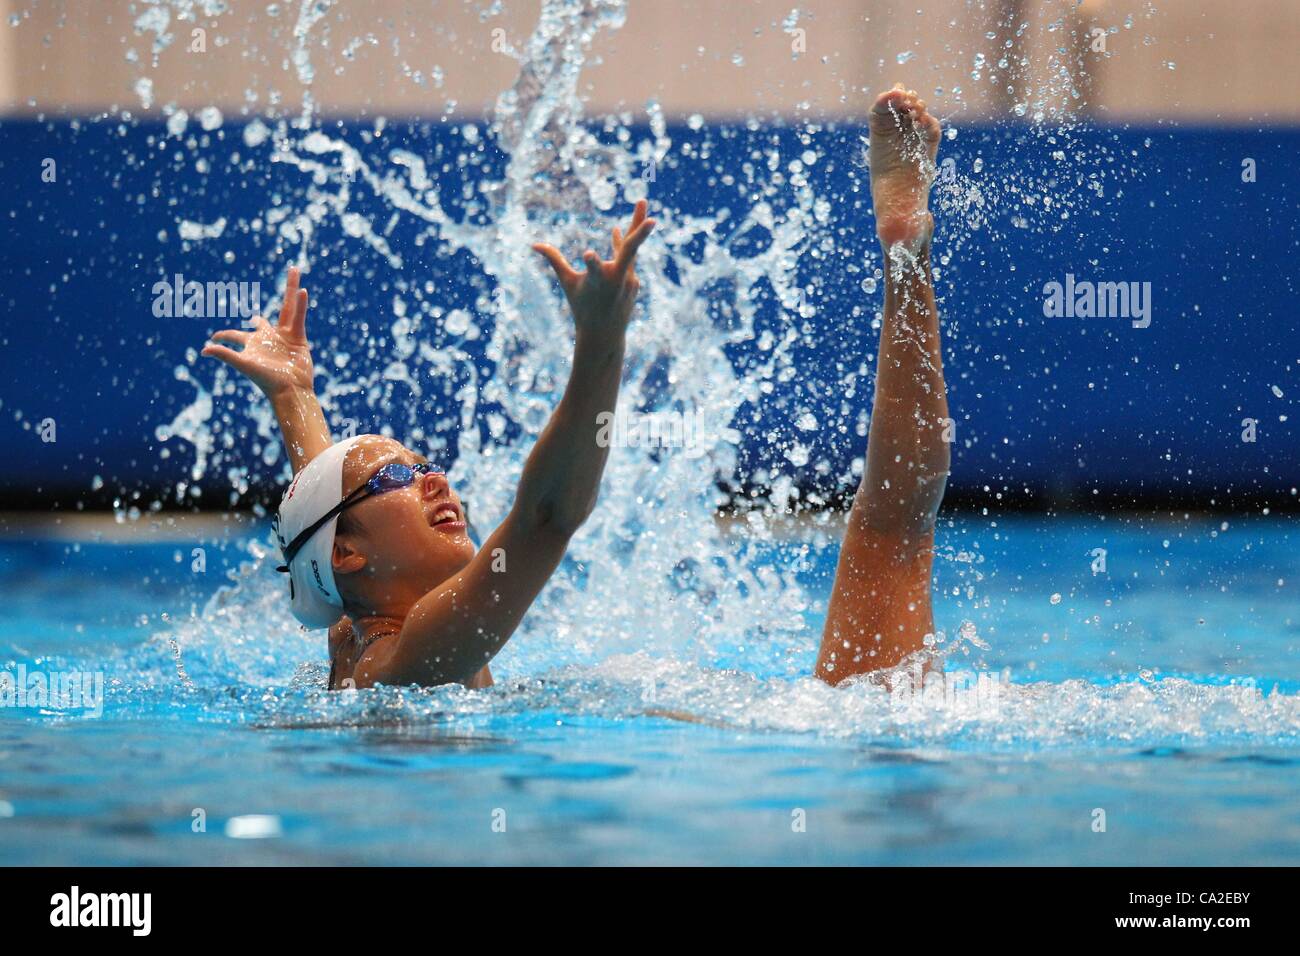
(393,548)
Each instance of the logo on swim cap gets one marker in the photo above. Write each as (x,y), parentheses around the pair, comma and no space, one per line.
(315,569)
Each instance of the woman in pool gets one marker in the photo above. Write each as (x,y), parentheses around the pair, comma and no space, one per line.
(375,541)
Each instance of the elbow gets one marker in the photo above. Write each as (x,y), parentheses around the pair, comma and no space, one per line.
(564,518)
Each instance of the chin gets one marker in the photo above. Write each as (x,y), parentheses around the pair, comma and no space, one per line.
(452,555)
(466,553)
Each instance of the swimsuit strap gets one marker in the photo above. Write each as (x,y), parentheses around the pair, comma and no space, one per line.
(364,647)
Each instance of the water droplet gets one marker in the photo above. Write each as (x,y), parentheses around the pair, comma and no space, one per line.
(210,118)
(177,122)
(457,322)
(255,133)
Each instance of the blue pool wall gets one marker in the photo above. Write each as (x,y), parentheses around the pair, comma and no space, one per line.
(1046,408)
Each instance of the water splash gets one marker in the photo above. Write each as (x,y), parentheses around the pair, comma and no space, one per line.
(703,598)
(561,180)
(1129,714)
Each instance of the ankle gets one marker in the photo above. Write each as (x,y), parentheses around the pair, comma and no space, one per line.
(911,234)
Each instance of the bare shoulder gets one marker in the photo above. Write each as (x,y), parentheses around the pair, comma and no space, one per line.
(340,634)
(378,664)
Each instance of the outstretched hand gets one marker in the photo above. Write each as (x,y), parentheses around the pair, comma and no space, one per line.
(273,357)
(604,294)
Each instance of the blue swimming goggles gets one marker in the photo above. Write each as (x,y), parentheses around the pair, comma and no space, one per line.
(391,477)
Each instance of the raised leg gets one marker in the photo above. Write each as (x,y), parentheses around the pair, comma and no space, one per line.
(880,609)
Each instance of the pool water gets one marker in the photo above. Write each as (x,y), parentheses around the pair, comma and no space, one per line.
(1147,714)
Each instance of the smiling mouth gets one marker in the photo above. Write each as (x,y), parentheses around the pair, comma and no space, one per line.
(447,517)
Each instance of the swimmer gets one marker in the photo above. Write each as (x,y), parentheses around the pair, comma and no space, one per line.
(373,537)
(879,610)
(388,567)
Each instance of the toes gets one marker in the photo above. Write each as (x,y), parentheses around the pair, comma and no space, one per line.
(906,108)
(901,103)
(897,100)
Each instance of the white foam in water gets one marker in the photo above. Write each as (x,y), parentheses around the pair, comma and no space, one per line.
(652,594)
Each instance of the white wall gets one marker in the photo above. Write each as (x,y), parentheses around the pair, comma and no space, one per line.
(1236,62)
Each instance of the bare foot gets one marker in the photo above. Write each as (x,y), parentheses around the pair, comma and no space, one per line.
(904,141)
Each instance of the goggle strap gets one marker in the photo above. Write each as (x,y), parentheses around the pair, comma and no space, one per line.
(296,544)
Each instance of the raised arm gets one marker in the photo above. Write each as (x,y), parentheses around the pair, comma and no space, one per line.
(458,627)
(277,359)
(560,481)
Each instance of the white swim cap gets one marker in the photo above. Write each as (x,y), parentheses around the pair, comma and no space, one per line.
(313,493)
